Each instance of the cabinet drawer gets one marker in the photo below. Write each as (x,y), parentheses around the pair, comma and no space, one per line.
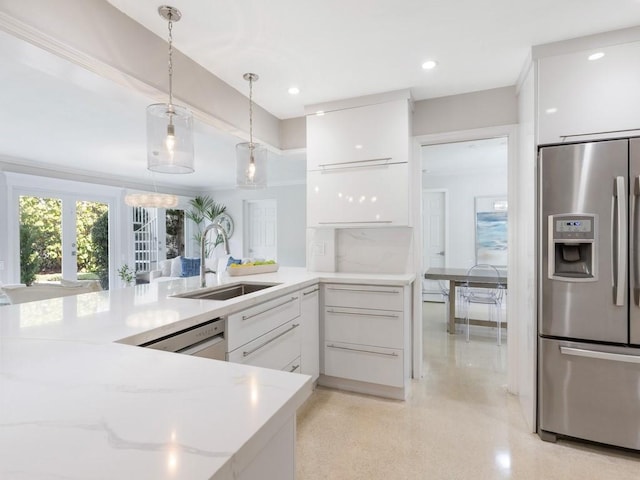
(367,327)
(364,296)
(383,366)
(242,327)
(590,392)
(359,134)
(276,349)
(376,195)
(294,366)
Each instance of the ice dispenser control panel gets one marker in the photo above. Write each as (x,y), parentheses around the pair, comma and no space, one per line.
(573,247)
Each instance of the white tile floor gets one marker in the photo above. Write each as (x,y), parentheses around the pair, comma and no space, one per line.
(459,423)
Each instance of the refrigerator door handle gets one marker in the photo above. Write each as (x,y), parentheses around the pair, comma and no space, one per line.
(615,357)
(621,242)
(635,224)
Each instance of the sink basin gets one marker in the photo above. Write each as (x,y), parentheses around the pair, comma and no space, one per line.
(225,292)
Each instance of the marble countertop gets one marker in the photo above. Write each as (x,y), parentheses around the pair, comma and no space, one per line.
(77,403)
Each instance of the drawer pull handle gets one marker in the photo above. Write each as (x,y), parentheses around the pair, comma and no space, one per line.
(392,354)
(362,290)
(347,223)
(247,317)
(337,312)
(616,357)
(310,292)
(356,163)
(294,368)
(293,327)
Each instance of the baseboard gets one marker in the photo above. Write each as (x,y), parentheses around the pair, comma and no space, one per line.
(375,389)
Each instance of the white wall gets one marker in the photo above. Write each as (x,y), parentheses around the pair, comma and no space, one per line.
(486,108)
(463,188)
(292,220)
(523,249)
(4,230)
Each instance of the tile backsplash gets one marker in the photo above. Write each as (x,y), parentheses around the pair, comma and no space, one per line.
(361,250)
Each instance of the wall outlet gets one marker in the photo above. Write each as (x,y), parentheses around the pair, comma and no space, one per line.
(318,249)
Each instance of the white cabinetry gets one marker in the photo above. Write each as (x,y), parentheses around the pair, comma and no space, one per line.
(267,335)
(357,166)
(310,332)
(282,334)
(577,96)
(373,194)
(366,339)
(352,135)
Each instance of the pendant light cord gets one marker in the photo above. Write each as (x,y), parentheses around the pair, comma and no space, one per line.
(170,63)
(251,114)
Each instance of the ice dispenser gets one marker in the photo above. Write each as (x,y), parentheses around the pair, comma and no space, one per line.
(573,247)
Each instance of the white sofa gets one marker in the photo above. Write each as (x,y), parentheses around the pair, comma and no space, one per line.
(42,291)
(171,269)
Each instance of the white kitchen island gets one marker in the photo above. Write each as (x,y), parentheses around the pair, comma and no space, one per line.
(77,402)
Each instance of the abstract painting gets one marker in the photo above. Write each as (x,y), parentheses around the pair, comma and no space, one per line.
(491,232)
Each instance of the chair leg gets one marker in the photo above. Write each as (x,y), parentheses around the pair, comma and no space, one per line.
(498,314)
(467,305)
(447,299)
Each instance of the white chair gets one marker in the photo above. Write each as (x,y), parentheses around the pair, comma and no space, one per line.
(491,296)
(444,291)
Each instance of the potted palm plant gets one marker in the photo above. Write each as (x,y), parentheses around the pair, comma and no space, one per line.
(204,210)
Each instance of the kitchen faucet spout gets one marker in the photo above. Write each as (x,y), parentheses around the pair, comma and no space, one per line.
(225,241)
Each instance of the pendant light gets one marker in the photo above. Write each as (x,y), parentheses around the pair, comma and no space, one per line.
(251,158)
(151,200)
(169,126)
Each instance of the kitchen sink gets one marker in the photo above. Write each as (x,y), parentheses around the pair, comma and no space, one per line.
(225,292)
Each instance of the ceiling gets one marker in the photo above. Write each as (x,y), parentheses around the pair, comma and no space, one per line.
(472,157)
(59,116)
(337,49)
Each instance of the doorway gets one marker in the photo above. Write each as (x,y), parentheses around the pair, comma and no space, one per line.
(261,235)
(474,174)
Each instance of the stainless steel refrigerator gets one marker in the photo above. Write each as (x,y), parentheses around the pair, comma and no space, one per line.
(589,291)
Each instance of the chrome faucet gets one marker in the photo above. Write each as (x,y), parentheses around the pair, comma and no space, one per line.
(225,241)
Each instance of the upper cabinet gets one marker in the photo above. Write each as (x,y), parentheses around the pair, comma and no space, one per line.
(582,99)
(358,165)
(348,137)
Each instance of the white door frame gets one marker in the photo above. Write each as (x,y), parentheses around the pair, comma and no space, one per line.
(510,132)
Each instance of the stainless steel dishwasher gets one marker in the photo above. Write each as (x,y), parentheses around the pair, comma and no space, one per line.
(205,340)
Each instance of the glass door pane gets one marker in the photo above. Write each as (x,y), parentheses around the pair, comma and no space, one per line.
(92,241)
(40,239)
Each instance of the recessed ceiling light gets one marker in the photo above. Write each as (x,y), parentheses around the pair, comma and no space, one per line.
(429,64)
(596,56)
(358,147)
(551,110)
(293,90)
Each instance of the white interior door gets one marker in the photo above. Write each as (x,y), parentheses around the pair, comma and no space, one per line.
(262,229)
(434,250)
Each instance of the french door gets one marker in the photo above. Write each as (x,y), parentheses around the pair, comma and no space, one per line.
(63,237)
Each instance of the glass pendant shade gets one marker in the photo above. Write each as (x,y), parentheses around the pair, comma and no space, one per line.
(169,139)
(251,165)
(151,200)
